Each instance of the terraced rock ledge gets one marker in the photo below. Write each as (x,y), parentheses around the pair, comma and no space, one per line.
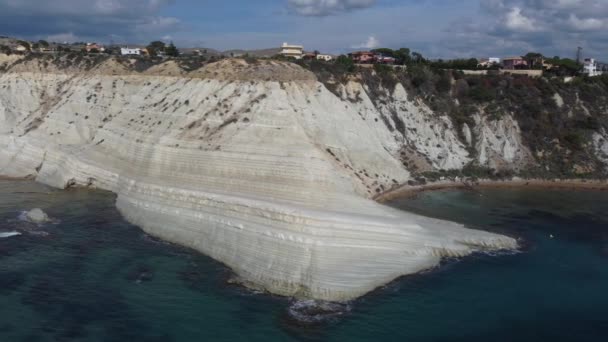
(259,166)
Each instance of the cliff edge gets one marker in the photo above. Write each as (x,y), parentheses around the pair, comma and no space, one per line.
(257,165)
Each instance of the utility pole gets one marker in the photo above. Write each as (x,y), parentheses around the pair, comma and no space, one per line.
(578,55)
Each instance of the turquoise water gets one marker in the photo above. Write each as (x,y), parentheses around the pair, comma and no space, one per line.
(95,277)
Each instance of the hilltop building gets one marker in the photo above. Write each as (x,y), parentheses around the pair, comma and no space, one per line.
(590,68)
(327,58)
(385,59)
(294,51)
(488,62)
(94,47)
(513,63)
(363,57)
(130,52)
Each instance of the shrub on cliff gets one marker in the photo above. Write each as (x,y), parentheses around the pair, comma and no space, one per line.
(574,140)
(5,50)
(444,82)
(346,64)
(481,93)
(386,75)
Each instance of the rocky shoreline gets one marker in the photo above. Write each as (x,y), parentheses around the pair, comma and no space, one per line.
(257,165)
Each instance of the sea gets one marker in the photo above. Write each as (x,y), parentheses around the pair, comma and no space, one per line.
(88,275)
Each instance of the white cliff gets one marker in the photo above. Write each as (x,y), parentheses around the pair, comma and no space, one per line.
(272,176)
(499,143)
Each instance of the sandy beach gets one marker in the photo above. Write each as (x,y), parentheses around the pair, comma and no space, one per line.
(411,190)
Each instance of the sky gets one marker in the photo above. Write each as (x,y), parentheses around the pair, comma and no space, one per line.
(435,28)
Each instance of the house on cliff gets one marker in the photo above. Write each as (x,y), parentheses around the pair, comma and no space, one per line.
(591,68)
(489,62)
(514,63)
(327,58)
(94,47)
(293,51)
(131,51)
(363,57)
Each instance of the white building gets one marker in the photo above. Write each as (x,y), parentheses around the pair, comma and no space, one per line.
(488,62)
(590,68)
(494,60)
(130,52)
(327,58)
(295,51)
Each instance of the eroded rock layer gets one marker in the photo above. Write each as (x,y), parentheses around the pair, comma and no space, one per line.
(272,177)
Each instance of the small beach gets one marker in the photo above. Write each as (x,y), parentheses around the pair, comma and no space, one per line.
(516,183)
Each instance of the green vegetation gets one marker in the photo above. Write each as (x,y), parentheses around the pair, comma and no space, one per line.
(156,47)
(171,50)
(344,63)
(563,66)
(559,137)
(457,64)
(471,172)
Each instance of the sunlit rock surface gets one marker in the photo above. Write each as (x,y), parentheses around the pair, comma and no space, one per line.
(37,216)
(258,166)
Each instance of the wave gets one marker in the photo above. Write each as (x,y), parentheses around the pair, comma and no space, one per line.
(4,235)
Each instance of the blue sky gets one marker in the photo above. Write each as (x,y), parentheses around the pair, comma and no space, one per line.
(437,28)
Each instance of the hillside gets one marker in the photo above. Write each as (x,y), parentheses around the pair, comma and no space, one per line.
(270,168)
(508,124)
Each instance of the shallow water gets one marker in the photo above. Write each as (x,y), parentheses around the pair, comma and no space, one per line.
(94,277)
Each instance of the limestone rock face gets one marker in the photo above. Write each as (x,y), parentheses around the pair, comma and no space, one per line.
(499,143)
(37,216)
(272,178)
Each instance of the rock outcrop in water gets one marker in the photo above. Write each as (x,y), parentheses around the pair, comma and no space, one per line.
(259,166)
(37,216)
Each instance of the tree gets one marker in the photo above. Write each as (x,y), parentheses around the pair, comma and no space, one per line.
(385,52)
(418,58)
(171,50)
(403,56)
(5,50)
(43,43)
(346,63)
(155,47)
(457,64)
(564,66)
(534,59)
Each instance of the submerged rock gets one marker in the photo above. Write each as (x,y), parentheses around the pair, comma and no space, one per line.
(315,311)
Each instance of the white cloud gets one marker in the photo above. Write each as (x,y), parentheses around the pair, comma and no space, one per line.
(371,43)
(68,37)
(327,7)
(156,24)
(515,20)
(586,24)
(100,20)
(132,8)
